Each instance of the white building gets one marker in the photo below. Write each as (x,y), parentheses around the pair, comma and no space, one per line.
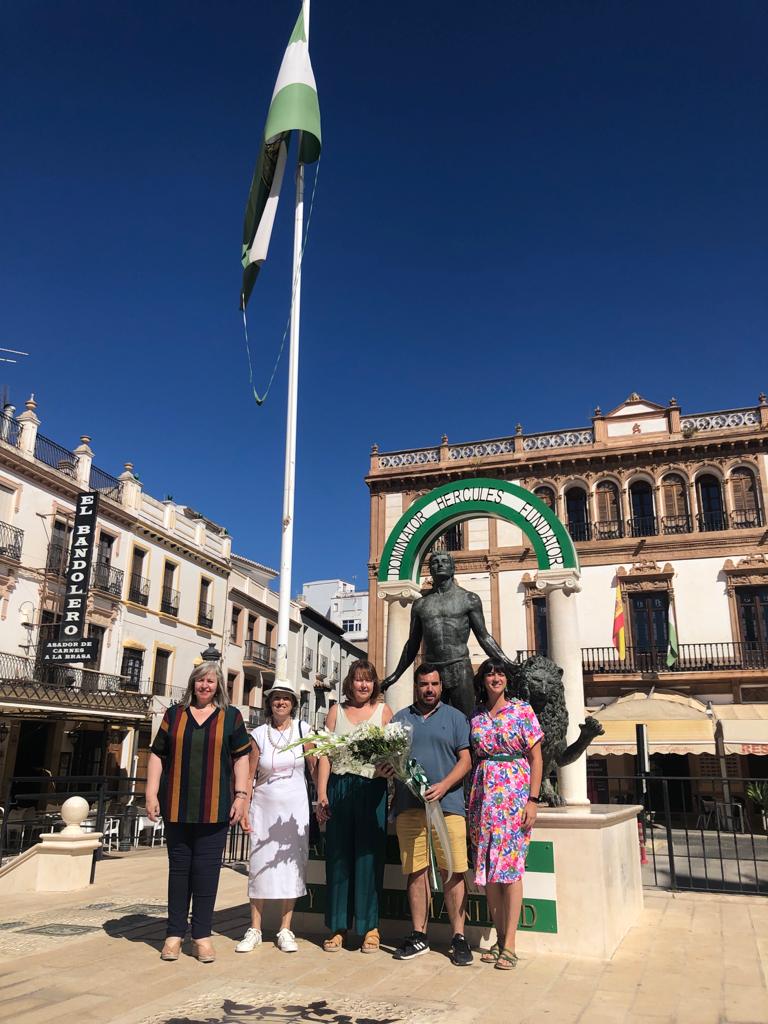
(343,604)
(164,585)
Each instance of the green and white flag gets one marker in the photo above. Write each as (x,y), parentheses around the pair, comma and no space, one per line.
(672,651)
(294,107)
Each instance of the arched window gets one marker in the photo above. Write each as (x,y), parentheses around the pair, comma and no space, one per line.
(576,513)
(642,522)
(607,511)
(674,496)
(711,510)
(547,495)
(746,507)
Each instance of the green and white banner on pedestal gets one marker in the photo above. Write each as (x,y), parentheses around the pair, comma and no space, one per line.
(538,914)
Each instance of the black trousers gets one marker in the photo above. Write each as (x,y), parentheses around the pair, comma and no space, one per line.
(194,863)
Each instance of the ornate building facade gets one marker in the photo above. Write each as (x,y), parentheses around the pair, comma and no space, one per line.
(665,505)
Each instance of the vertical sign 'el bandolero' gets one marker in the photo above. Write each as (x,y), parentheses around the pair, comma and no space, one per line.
(71,645)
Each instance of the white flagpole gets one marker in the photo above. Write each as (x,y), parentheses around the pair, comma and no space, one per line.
(286,551)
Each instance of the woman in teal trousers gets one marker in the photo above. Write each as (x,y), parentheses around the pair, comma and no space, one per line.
(352,800)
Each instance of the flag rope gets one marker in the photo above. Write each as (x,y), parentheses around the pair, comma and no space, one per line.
(261,399)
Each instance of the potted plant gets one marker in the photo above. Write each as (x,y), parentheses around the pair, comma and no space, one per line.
(758,794)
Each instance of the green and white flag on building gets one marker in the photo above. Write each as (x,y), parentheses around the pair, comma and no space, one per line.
(294,107)
(672,651)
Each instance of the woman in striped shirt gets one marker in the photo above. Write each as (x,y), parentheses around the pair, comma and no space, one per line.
(200,746)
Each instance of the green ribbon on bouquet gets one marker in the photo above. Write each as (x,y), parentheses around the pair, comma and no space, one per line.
(415,778)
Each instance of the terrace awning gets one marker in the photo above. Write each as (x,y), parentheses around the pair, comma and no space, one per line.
(676,725)
(744,727)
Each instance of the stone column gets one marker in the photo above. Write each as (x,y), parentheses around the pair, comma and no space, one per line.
(399,596)
(561,587)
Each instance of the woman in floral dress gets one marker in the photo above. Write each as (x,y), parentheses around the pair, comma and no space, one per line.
(506,743)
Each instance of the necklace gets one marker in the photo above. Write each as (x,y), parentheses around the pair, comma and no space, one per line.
(287,733)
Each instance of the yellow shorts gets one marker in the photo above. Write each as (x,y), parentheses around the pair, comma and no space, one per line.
(411,828)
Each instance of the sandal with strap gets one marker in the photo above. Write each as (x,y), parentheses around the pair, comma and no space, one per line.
(334,943)
(490,956)
(507,960)
(371,941)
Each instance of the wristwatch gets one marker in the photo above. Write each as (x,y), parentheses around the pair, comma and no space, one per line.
(535,799)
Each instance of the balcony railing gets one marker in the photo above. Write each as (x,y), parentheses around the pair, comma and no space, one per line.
(138,589)
(56,559)
(105,483)
(746,518)
(608,529)
(205,615)
(676,524)
(11,540)
(25,680)
(715,657)
(579,530)
(642,526)
(259,654)
(55,456)
(169,601)
(10,429)
(712,521)
(108,579)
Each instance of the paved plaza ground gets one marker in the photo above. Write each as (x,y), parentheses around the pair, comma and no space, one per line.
(93,957)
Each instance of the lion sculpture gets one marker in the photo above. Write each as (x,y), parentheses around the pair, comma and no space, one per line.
(540,683)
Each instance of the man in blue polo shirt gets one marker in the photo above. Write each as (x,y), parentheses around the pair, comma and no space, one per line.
(441,746)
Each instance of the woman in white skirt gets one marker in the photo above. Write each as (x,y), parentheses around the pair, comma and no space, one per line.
(279,817)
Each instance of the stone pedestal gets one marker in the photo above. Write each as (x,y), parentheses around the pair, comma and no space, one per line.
(598,885)
(561,587)
(60,862)
(582,889)
(399,596)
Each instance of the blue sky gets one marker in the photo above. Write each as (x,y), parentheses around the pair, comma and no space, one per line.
(523,210)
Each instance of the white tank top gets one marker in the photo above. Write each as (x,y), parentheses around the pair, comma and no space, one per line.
(344,726)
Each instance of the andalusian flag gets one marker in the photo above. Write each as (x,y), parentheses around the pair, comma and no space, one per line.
(294,107)
(619,633)
(672,650)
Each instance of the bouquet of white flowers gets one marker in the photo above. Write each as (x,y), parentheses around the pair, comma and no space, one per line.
(364,749)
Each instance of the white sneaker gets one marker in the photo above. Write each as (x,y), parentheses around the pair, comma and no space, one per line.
(249,941)
(286,941)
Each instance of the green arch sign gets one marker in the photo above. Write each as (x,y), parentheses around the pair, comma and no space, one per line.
(476,498)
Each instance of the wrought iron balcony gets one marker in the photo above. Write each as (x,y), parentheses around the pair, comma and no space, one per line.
(55,456)
(710,522)
(138,589)
(11,540)
(56,559)
(105,484)
(205,615)
(715,657)
(676,524)
(579,530)
(259,654)
(23,680)
(10,429)
(746,518)
(642,526)
(608,529)
(106,578)
(169,601)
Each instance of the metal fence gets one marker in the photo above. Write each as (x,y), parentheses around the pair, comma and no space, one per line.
(32,807)
(702,834)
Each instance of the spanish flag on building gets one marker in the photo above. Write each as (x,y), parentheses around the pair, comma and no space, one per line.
(619,633)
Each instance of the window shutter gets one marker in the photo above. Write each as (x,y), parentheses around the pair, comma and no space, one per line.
(743,490)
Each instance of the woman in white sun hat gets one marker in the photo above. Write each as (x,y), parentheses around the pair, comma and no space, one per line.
(279,817)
